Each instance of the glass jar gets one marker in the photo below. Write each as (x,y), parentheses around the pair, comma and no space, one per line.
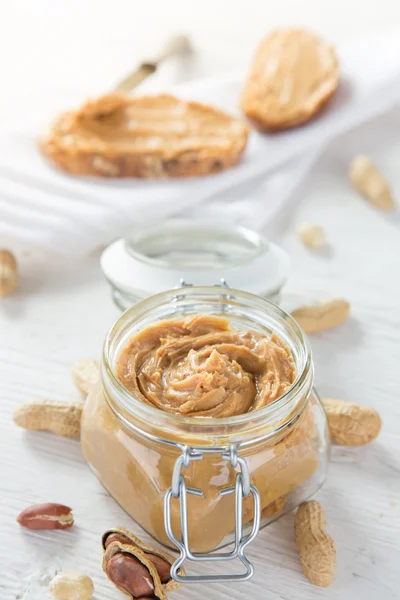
(160,256)
(133,447)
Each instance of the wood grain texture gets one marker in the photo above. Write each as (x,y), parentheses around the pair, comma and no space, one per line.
(62,312)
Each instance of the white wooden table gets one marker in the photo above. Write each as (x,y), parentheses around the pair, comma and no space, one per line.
(62,311)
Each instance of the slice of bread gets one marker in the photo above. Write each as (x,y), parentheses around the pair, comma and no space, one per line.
(150,136)
(293,75)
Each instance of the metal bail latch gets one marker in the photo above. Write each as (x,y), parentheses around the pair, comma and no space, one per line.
(241,489)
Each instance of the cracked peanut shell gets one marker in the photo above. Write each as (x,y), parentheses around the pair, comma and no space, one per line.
(132,572)
(126,537)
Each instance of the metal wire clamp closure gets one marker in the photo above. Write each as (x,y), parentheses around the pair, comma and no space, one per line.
(241,489)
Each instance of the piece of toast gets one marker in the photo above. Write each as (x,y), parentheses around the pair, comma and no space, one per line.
(150,136)
(293,75)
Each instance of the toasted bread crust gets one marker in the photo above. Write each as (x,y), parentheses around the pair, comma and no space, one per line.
(293,76)
(149,136)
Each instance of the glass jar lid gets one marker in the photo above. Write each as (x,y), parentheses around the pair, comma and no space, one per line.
(163,255)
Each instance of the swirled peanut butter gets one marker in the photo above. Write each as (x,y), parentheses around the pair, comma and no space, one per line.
(198,366)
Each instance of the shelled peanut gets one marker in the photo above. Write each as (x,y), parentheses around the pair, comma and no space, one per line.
(48,515)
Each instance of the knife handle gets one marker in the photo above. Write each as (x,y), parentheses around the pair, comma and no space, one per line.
(177,45)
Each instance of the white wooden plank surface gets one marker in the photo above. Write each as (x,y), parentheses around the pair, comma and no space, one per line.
(62,312)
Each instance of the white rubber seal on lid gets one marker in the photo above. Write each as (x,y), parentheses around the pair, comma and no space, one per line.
(199,252)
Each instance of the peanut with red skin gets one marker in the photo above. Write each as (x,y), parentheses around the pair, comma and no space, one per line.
(129,574)
(118,540)
(162,566)
(46,516)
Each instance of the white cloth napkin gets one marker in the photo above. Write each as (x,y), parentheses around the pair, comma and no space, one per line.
(48,208)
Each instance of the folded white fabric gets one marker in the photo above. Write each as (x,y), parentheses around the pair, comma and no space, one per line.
(46,207)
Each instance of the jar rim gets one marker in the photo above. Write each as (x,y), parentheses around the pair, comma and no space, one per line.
(126,406)
(201,252)
(251,243)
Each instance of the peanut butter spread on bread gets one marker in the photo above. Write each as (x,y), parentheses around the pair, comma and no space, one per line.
(149,136)
(293,75)
(198,366)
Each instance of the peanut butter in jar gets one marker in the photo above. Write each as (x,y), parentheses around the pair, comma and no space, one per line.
(207,372)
